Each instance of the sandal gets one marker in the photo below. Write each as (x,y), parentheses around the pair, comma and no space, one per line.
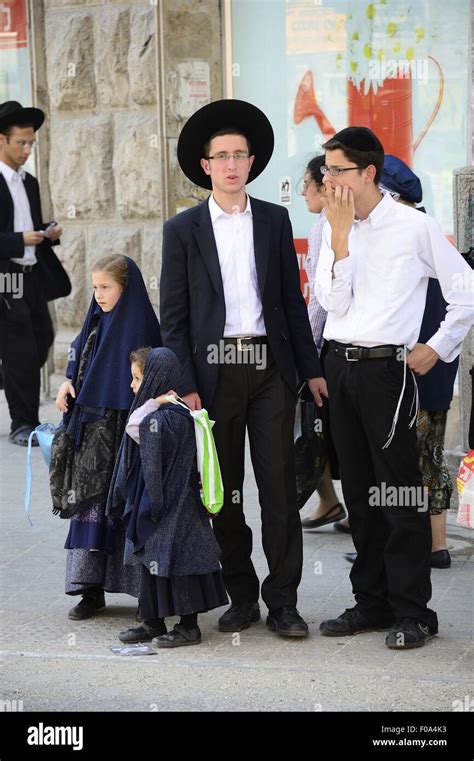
(311,523)
(343,526)
(178,637)
(21,436)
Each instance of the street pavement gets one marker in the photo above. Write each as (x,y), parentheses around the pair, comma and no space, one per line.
(50,663)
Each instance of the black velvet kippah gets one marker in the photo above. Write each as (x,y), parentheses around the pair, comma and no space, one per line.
(359,138)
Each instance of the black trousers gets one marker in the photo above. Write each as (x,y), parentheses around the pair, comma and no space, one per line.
(390,524)
(261,402)
(26,334)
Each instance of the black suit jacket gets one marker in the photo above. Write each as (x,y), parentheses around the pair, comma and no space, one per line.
(54,279)
(192,312)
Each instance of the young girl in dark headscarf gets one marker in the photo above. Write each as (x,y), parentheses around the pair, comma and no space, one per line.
(95,400)
(168,531)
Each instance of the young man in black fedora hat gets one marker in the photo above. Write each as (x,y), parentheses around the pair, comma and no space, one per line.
(232,310)
(376,260)
(30,273)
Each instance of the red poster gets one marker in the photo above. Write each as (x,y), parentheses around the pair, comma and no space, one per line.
(301,245)
(13,24)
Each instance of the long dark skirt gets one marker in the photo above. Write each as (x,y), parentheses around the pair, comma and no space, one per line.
(430,430)
(86,568)
(180,595)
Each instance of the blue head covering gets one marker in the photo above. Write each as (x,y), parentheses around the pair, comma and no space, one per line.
(161,374)
(131,323)
(399,178)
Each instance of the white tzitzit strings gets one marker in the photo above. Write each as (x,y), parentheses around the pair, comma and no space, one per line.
(400,398)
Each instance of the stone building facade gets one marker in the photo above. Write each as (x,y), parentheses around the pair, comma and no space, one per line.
(117,82)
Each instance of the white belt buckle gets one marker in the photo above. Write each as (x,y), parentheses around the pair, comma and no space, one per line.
(240,346)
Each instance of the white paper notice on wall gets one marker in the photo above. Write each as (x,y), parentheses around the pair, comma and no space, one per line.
(284,190)
(189,88)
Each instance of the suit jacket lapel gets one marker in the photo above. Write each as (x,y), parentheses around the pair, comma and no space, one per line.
(30,188)
(6,197)
(204,236)
(261,241)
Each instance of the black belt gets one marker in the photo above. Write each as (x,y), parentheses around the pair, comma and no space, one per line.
(243,341)
(355,353)
(22,267)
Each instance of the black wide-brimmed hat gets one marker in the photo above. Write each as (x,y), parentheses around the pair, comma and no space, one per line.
(222,114)
(12,112)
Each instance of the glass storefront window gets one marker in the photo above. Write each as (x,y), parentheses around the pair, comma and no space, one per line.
(15,79)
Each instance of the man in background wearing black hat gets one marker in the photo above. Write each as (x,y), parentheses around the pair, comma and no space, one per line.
(230,288)
(26,330)
(372,277)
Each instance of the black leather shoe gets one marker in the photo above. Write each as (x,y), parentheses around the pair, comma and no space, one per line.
(440,559)
(350,557)
(287,622)
(88,607)
(352,621)
(239,616)
(408,633)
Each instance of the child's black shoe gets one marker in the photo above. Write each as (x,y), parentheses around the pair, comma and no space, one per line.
(143,633)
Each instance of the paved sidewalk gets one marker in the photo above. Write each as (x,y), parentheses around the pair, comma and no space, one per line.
(51,663)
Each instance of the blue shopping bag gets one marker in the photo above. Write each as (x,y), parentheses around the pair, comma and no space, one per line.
(44,434)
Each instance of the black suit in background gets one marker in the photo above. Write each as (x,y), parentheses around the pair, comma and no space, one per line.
(240,397)
(26,330)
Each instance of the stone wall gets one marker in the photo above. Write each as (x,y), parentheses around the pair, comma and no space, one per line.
(193,75)
(105,72)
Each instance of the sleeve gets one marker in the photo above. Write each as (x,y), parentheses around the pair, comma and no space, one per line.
(174,306)
(133,424)
(306,355)
(456,280)
(317,315)
(151,433)
(11,245)
(334,293)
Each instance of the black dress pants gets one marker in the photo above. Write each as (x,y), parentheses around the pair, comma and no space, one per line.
(26,334)
(382,488)
(261,402)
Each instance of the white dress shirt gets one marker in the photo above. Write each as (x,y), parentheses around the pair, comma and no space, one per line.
(317,315)
(234,241)
(378,293)
(22,221)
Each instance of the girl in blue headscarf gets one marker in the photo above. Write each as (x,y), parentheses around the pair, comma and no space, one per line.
(95,400)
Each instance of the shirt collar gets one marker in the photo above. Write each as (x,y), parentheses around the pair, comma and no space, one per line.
(216,211)
(378,212)
(9,173)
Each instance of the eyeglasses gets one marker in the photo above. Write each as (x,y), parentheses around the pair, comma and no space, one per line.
(23,143)
(224,156)
(306,184)
(335,170)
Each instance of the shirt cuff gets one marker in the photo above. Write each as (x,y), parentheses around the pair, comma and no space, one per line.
(443,346)
(342,268)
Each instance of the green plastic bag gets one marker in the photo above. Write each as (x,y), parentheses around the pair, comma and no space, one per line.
(212,489)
